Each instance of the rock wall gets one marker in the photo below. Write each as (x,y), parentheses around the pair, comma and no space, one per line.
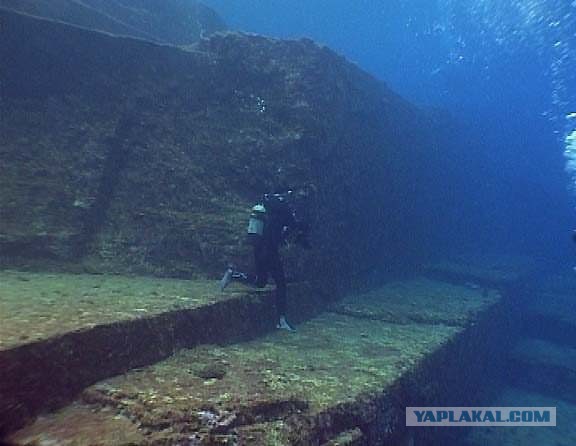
(126,156)
(179,22)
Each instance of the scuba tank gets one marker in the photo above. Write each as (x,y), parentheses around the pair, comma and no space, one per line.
(256,222)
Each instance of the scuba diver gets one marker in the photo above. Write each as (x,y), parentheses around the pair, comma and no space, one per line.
(272,223)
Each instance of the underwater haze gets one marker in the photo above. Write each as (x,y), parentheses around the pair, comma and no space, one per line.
(286,222)
(504,69)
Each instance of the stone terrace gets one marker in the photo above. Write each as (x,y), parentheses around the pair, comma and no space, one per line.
(107,351)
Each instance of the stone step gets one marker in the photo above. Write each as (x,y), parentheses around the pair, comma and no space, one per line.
(544,367)
(552,317)
(340,379)
(481,271)
(60,333)
(420,301)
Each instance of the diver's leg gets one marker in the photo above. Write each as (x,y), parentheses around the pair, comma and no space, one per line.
(261,265)
(280,281)
(258,279)
(277,271)
(232,275)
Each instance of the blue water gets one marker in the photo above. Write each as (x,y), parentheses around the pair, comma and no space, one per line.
(504,70)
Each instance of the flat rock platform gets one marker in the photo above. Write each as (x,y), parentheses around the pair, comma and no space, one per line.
(60,333)
(187,366)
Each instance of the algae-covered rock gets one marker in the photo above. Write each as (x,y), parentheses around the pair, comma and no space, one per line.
(128,156)
(211,371)
(337,380)
(179,22)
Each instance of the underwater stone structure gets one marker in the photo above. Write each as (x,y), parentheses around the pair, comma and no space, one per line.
(344,378)
(120,155)
(178,22)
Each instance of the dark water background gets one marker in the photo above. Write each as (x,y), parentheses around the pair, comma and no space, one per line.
(503,70)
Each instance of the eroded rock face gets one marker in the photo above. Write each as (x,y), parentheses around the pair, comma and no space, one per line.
(127,156)
(179,22)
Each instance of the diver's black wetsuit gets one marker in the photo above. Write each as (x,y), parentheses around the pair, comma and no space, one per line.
(279,221)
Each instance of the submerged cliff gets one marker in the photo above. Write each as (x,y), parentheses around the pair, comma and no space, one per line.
(127,156)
